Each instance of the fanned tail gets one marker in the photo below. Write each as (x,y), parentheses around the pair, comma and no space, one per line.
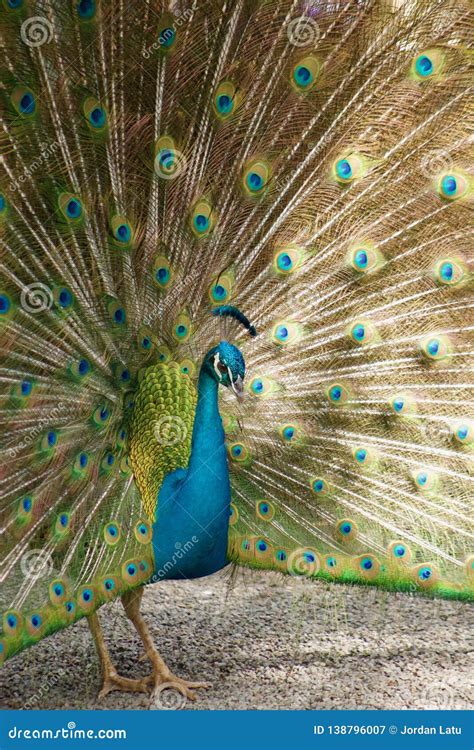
(308,163)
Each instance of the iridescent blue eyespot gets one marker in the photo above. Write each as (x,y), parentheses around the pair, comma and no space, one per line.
(64,520)
(449,185)
(462,432)
(14,4)
(237,450)
(119,315)
(335,393)
(361,455)
(343,169)
(201,223)
(284,262)
(26,387)
(35,621)
(109,584)
(84,367)
(97,117)
(361,259)
(3,203)
(5,304)
(425,573)
(131,570)
(73,208)
(224,104)
(281,555)
(424,66)
(433,347)
(254,181)
(27,103)
(446,271)
(257,386)
(86,9)
(181,330)
(309,557)
(146,343)
(398,404)
(262,546)
(422,478)
(83,460)
(263,508)
(27,504)
(219,292)
(123,233)
(399,550)
(65,298)
(87,595)
(358,332)
(282,333)
(11,621)
(366,563)
(162,275)
(52,438)
(167,37)
(345,528)
(58,589)
(302,75)
(288,433)
(331,562)
(318,485)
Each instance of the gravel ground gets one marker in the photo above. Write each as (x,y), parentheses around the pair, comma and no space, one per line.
(266,643)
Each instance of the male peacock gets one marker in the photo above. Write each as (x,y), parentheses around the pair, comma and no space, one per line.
(167,166)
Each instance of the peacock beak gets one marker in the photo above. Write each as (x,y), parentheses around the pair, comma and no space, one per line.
(238,387)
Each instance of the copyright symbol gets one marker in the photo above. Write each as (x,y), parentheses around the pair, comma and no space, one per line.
(393,729)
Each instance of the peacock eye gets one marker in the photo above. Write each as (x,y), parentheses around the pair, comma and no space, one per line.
(221,367)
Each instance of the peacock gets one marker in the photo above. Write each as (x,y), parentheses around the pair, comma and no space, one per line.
(235,302)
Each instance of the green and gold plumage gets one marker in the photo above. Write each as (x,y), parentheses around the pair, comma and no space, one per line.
(161,427)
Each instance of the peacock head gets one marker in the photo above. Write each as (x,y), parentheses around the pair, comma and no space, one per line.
(225,362)
(226,365)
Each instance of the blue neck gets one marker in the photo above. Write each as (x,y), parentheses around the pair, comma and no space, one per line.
(193,503)
(208,435)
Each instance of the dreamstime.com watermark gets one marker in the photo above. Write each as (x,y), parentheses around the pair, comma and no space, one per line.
(36,431)
(167,35)
(181,550)
(47,150)
(67,733)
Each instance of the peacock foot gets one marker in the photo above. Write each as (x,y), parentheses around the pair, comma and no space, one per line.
(171,692)
(114,681)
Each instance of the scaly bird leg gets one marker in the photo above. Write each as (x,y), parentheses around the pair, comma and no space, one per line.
(112,680)
(161,675)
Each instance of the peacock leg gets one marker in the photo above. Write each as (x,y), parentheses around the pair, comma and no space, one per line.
(161,674)
(112,680)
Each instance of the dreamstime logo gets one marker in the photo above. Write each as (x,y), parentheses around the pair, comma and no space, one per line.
(36,31)
(435,430)
(167,35)
(169,163)
(36,298)
(169,696)
(435,161)
(36,563)
(303,563)
(303,31)
(181,550)
(170,430)
(53,416)
(46,151)
(439,695)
